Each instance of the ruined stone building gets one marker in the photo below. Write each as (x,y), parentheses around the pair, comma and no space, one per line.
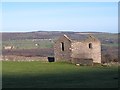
(82,49)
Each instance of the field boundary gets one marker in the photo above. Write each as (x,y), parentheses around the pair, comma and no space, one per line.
(23,58)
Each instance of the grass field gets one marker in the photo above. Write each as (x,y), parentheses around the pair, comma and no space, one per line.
(57,75)
(28,44)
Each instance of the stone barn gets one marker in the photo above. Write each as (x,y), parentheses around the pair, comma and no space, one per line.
(82,49)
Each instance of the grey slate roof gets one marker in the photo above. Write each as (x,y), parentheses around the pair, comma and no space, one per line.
(77,37)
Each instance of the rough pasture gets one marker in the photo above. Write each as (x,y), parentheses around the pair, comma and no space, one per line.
(57,75)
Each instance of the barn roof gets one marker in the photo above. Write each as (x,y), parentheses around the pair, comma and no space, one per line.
(78,37)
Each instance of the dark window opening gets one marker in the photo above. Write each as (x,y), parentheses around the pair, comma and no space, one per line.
(90,45)
(51,59)
(62,46)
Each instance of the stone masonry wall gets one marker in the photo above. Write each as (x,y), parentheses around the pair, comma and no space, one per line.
(95,50)
(62,55)
(23,58)
(89,48)
(82,50)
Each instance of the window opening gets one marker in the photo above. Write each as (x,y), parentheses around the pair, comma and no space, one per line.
(62,46)
(90,45)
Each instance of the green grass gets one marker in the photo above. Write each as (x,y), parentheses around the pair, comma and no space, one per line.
(57,75)
(111,45)
(28,44)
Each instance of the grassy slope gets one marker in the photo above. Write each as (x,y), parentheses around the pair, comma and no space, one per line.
(28,44)
(36,75)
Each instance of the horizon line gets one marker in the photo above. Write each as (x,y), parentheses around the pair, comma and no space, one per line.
(56,31)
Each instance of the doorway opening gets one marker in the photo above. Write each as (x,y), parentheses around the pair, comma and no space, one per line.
(51,59)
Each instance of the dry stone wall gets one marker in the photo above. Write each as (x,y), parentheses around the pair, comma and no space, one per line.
(23,58)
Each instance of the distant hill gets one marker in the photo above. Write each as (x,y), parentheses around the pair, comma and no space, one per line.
(51,35)
(105,38)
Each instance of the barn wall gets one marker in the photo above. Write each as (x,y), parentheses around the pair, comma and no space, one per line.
(96,49)
(75,49)
(82,50)
(96,52)
(62,55)
(82,61)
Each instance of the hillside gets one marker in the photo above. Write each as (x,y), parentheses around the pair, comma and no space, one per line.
(50,35)
(23,42)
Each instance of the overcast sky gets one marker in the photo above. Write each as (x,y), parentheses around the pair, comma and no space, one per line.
(60,16)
